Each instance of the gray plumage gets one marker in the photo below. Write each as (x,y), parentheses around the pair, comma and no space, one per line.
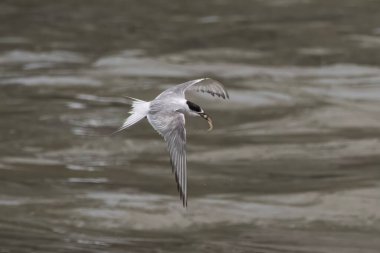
(166,115)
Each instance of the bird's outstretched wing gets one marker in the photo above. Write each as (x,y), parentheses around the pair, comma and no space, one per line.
(172,128)
(205,85)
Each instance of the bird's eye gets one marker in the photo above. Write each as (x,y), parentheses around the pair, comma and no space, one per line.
(193,107)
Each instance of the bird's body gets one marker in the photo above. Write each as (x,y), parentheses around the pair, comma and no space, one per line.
(166,113)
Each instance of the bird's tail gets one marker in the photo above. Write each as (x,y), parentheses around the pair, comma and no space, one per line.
(139,111)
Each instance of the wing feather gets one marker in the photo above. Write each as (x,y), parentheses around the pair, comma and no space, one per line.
(204,85)
(174,134)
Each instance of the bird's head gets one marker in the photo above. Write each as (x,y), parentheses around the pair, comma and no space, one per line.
(196,110)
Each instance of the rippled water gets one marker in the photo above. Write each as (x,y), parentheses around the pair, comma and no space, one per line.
(291,166)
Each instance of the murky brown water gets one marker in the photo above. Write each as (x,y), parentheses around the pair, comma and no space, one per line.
(293,162)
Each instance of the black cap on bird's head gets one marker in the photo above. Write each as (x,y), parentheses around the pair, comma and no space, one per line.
(197,109)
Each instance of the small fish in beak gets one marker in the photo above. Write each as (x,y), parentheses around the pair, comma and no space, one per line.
(209,120)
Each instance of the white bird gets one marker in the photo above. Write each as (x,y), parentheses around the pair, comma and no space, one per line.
(166,115)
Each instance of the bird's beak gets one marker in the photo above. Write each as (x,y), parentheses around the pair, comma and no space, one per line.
(209,120)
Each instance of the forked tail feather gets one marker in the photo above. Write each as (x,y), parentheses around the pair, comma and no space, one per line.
(139,111)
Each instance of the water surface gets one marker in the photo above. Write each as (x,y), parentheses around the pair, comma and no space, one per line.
(291,166)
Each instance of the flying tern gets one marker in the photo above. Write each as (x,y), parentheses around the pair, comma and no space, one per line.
(166,113)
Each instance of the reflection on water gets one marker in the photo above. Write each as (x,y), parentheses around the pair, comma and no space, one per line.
(292,165)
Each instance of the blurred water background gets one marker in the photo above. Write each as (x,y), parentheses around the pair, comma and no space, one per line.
(293,162)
